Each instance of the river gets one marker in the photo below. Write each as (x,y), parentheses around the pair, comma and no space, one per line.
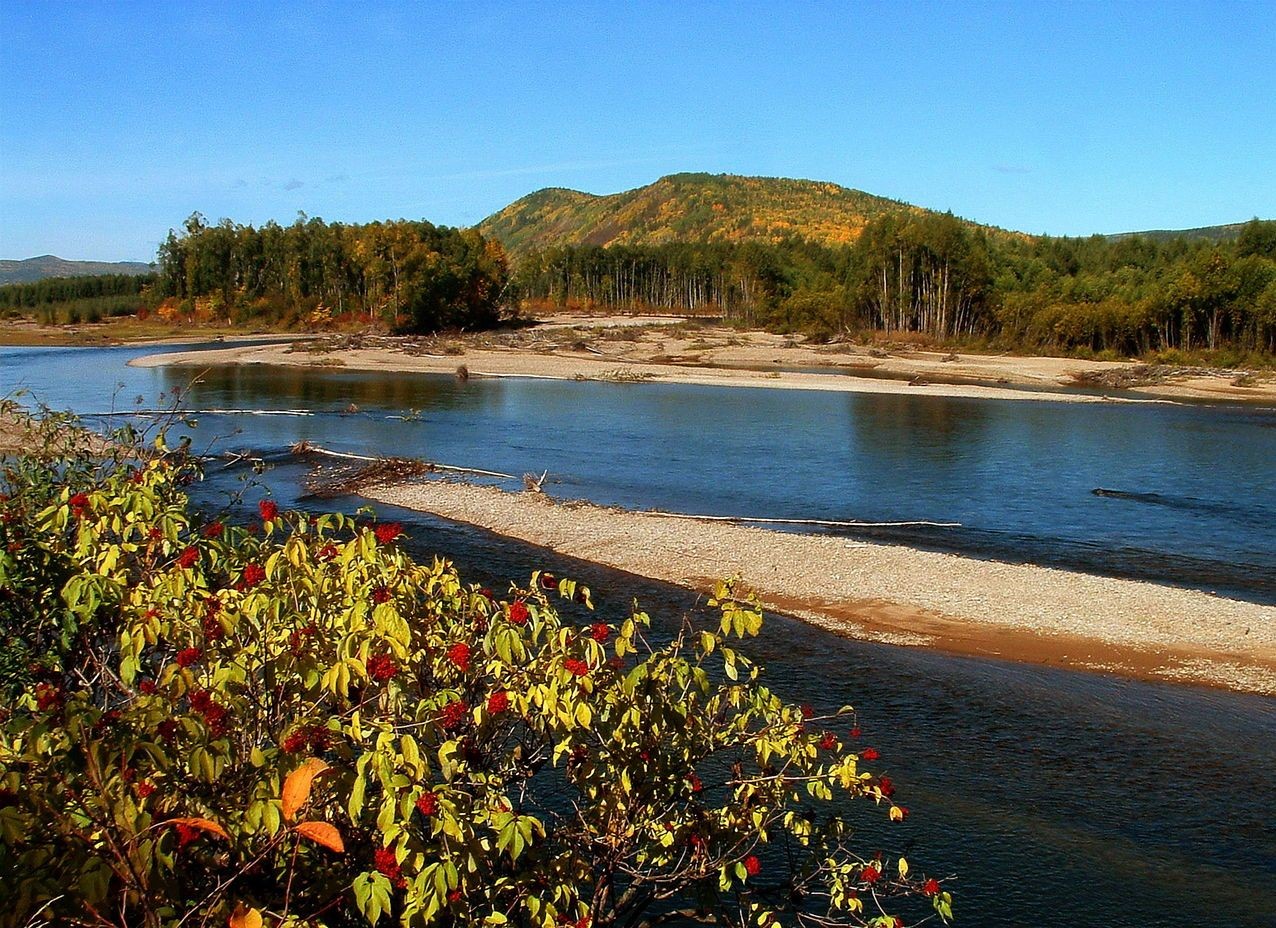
(1057,798)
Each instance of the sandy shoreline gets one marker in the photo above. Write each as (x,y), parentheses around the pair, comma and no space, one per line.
(898,595)
(661,350)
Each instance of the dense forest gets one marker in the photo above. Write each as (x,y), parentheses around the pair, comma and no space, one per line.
(936,275)
(76,299)
(877,266)
(411,276)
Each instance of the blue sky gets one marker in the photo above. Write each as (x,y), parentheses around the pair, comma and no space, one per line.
(117,120)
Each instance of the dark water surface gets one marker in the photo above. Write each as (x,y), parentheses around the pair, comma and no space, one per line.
(1058,798)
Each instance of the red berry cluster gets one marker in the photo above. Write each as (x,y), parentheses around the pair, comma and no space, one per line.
(298,637)
(79,503)
(428,804)
(600,631)
(381,667)
(459,654)
(188,656)
(387,532)
(215,714)
(388,867)
(576,666)
(212,626)
(454,714)
(311,738)
(498,702)
(253,575)
(268,509)
(213,530)
(519,613)
(188,558)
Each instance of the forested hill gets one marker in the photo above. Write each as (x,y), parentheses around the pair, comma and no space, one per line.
(46,266)
(1225,233)
(691,208)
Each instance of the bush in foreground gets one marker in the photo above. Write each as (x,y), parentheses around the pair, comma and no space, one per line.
(292,722)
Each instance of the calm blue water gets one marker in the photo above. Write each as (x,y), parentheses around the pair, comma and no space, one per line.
(1059,798)
(1195,487)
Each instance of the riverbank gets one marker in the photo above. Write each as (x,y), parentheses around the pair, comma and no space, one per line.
(22,434)
(124,330)
(672,349)
(898,595)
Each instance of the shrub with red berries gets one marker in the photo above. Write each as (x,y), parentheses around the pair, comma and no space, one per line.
(381,742)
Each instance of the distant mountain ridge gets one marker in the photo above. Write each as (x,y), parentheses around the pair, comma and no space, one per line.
(44,266)
(1224,233)
(692,207)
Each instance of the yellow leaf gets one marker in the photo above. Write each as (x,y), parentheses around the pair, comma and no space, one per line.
(202,824)
(244,917)
(903,867)
(297,787)
(322,833)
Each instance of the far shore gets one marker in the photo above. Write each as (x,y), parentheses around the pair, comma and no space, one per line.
(673,350)
(25,333)
(898,595)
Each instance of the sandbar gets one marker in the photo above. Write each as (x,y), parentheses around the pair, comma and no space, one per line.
(895,594)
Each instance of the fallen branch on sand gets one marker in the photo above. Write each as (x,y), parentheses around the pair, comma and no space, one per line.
(326,483)
(347,479)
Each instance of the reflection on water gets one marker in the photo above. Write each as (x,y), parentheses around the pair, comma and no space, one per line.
(1058,798)
(1019,476)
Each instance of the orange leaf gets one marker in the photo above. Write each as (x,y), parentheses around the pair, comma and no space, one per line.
(322,833)
(244,917)
(297,787)
(201,823)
